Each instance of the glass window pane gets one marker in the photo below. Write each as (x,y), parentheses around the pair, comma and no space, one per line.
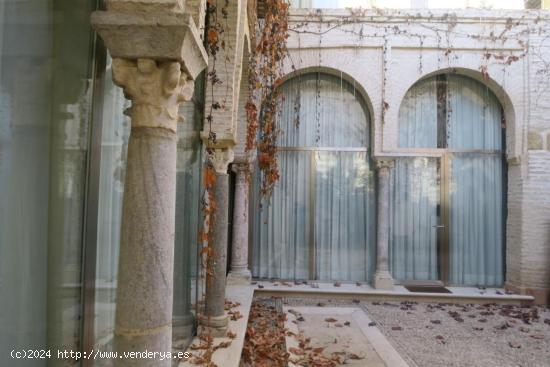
(474,115)
(45,53)
(188,216)
(329,112)
(477,220)
(414,198)
(282,235)
(418,116)
(344,216)
(114,144)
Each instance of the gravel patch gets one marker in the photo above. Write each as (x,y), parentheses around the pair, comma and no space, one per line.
(442,334)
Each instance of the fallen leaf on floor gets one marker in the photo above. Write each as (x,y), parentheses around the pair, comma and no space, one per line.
(320,304)
(514,344)
(330,319)
(435,321)
(524,329)
(397,328)
(372,323)
(478,328)
(347,323)
(355,356)
(537,336)
(358,284)
(337,284)
(298,352)
(260,286)
(231,335)
(338,325)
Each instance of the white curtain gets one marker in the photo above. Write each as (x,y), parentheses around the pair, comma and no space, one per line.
(473,119)
(322,209)
(344,216)
(476,192)
(414,197)
(418,116)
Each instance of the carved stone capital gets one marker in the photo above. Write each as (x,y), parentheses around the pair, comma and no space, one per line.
(155,89)
(384,163)
(220,159)
(241,167)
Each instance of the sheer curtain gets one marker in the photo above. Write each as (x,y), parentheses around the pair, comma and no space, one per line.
(414,198)
(473,118)
(282,245)
(477,200)
(344,216)
(414,194)
(322,209)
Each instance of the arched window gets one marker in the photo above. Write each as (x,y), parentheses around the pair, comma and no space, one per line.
(319,223)
(448,202)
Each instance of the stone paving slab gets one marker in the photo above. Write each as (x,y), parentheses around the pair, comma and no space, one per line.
(350,335)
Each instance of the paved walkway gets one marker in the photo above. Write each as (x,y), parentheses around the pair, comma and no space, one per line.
(339,334)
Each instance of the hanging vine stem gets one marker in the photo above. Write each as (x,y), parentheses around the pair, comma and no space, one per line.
(263,106)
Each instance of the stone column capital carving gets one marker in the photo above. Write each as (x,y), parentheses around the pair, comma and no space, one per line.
(155,89)
(384,163)
(241,167)
(220,159)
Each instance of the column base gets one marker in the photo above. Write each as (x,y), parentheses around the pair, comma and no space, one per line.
(215,326)
(239,277)
(383,280)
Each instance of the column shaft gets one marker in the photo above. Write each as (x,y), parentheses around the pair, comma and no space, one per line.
(145,274)
(382,277)
(239,248)
(215,320)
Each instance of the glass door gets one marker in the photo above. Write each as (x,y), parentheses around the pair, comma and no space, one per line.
(416,221)
(344,206)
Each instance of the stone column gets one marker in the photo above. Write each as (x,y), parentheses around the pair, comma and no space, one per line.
(382,276)
(146,260)
(157,54)
(215,320)
(239,273)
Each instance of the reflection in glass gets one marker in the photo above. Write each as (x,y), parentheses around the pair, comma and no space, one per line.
(188,216)
(114,144)
(44,121)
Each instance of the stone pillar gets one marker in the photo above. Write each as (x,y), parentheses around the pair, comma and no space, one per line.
(382,276)
(215,320)
(157,54)
(143,318)
(239,273)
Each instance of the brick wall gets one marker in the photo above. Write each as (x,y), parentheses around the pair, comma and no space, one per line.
(383,53)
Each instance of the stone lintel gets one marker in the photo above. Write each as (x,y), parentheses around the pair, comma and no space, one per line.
(145,5)
(161,36)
